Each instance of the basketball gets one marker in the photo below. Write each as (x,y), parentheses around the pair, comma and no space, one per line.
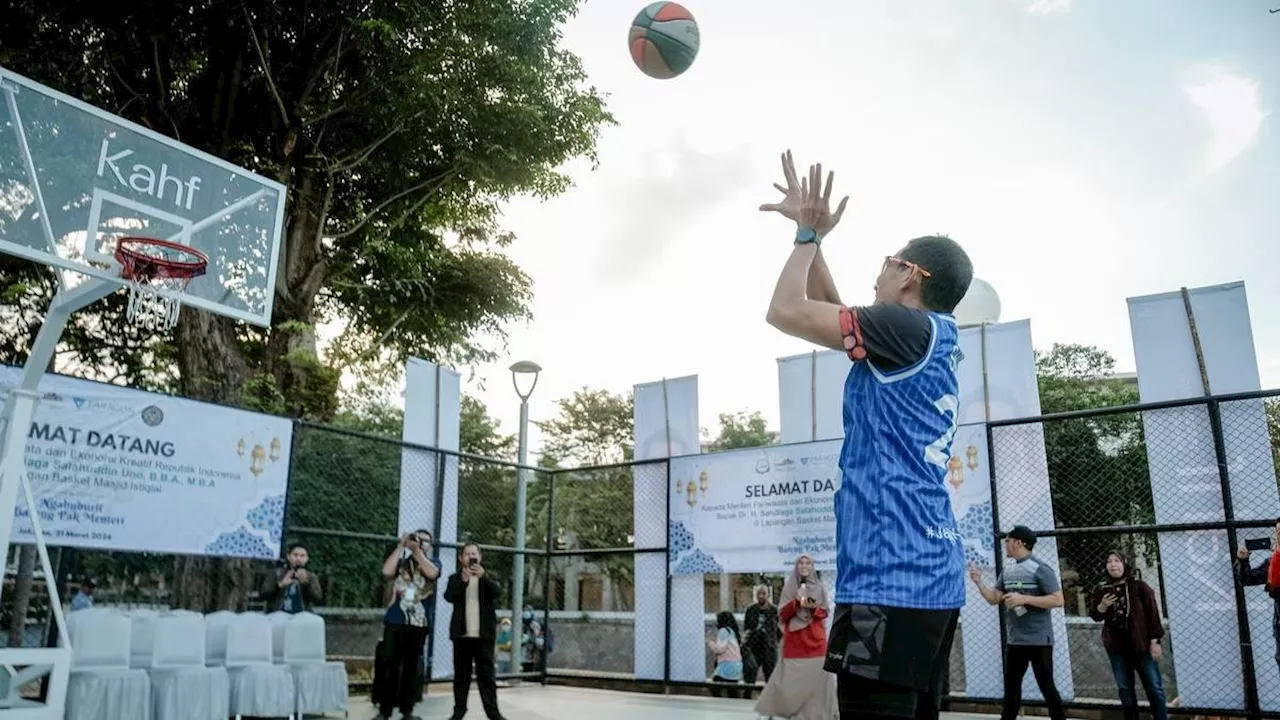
(664,40)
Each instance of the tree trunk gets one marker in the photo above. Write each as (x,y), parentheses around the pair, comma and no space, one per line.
(210,367)
(22,585)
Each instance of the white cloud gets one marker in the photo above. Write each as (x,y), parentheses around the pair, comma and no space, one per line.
(1232,105)
(1049,7)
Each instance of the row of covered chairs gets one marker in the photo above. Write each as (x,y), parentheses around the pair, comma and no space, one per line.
(182,665)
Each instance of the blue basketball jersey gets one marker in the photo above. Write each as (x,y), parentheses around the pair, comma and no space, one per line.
(897,540)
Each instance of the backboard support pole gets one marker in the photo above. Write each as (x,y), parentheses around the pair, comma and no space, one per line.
(19,411)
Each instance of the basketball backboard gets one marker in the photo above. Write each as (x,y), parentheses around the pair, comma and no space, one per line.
(74,178)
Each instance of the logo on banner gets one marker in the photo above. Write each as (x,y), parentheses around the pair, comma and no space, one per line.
(763,466)
(152,415)
(79,401)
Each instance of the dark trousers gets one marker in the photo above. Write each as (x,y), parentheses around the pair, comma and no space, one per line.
(1124,667)
(474,653)
(1016,660)
(401,686)
(754,658)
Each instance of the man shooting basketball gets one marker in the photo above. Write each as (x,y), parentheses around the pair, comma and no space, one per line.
(900,564)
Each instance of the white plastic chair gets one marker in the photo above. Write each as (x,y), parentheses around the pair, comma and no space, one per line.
(258,687)
(182,688)
(102,686)
(321,686)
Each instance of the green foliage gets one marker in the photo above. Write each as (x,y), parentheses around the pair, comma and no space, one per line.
(399,128)
(1097,466)
(743,429)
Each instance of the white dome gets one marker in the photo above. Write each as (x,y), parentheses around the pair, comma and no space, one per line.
(980,305)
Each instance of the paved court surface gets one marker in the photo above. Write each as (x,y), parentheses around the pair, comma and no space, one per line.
(535,702)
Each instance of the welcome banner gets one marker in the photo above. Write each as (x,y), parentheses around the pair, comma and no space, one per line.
(752,511)
(113,468)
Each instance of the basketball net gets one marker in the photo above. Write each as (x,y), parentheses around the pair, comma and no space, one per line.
(154,303)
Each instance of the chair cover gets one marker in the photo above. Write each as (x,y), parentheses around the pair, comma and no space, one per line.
(321,686)
(258,688)
(216,626)
(101,686)
(142,637)
(182,688)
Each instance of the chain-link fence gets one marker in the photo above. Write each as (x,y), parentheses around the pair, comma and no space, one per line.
(1186,492)
(1176,488)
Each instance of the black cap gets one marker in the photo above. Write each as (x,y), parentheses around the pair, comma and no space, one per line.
(90,582)
(1024,534)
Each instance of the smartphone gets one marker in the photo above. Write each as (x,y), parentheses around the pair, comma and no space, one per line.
(1254,544)
(474,562)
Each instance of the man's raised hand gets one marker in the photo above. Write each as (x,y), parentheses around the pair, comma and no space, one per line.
(805,200)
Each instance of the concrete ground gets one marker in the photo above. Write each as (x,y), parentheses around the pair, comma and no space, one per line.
(535,702)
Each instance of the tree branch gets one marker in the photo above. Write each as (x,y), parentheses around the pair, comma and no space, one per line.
(346,165)
(434,184)
(266,68)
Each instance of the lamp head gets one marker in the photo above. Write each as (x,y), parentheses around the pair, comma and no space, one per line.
(525,368)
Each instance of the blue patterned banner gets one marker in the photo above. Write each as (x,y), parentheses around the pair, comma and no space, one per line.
(113,468)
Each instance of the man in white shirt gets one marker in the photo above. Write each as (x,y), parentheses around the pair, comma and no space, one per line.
(473,630)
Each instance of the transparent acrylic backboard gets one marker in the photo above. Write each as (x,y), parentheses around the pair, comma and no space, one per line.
(74,178)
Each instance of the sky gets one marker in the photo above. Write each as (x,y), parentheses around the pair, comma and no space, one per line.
(1082,151)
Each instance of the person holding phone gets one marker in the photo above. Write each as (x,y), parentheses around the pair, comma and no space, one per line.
(473,594)
(1267,574)
(801,688)
(293,588)
(411,572)
(1131,634)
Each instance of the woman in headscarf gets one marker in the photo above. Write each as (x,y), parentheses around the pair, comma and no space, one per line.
(1131,633)
(800,688)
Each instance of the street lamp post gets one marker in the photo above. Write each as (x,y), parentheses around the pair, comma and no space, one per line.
(529,371)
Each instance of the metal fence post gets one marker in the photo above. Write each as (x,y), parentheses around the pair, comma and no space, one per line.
(995,533)
(1253,708)
(666,628)
(551,546)
(294,442)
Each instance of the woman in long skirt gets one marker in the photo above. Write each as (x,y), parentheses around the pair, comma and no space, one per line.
(800,689)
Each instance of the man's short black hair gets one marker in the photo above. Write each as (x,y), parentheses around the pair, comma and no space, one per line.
(950,270)
(295,546)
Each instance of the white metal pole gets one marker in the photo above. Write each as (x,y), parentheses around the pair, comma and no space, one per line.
(517,569)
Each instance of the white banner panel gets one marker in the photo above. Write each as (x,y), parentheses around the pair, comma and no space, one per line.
(113,468)
(1186,486)
(1013,392)
(811,392)
(666,424)
(432,397)
(1021,466)
(754,511)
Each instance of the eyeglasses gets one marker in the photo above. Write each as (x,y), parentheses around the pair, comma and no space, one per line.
(906,264)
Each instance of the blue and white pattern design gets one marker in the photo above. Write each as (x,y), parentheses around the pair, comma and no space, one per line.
(269,517)
(686,557)
(975,528)
(697,563)
(240,543)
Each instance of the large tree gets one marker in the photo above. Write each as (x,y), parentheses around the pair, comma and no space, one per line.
(398,128)
(743,429)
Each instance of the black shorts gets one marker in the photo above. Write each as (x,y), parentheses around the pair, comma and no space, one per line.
(890,661)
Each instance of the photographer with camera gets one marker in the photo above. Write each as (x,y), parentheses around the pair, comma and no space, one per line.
(1267,574)
(293,588)
(473,594)
(411,573)
(1131,633)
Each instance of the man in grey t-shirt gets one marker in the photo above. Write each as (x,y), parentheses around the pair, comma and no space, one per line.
(1029,590)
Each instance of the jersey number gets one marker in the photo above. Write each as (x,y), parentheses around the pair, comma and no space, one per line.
(936,452)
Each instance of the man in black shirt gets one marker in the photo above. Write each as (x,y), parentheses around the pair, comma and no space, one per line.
(760,637)
(473,629)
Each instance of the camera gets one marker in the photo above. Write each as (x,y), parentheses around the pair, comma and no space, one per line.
(473,562)
(1255,544)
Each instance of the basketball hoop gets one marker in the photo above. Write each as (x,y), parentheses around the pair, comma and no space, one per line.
(158,272)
